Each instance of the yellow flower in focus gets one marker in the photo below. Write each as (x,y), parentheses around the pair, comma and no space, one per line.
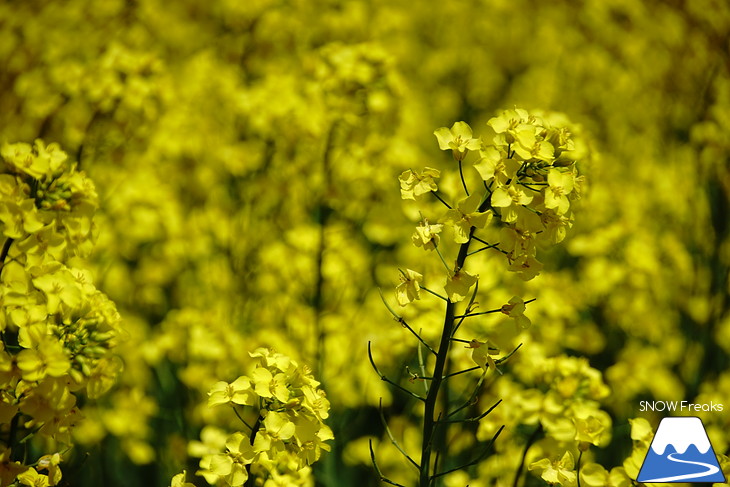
(229,467)
(510,198)
(508,121)
(529,146)
(427,235)
(515,308)
(409,289)
(413,184)
(316,402)
(457,285)
(47,359)
(311,436)
(279,426)
(495,164)
(459,139)
(58,285)
(270,386)
(560,184)
(559,472)
(237,392)
(465,216)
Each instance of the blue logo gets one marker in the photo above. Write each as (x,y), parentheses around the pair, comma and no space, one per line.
(680,452)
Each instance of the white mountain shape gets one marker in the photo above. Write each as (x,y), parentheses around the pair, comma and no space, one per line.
(680,432)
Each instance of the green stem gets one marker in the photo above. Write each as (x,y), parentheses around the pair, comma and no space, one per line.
(256,427)
(5,251)
(429,420)
(463,182)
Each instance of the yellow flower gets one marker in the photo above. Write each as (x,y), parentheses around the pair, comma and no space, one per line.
(560,184)
(413,184)
(51,463)
(36,161)
(529,146)
(515,308)
(482,354)
(279,426)
(465,216)
(458,284)
(230,467)
(409,289)
(459,139)
(508,121)
(237,392)
(270,386)
(526,266)
(592,429)
(427,235)
(509,198)
(33,479)
(311,436)
(58,285)
(495,164)
(179,480)
(47,359)
(593,475)
(9,470)
(558,472)
(316,402)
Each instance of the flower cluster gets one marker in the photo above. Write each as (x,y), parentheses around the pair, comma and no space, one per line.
(289,433)
(58,331)
(530,177)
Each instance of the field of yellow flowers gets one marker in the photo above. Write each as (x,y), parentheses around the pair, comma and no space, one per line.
(360,242)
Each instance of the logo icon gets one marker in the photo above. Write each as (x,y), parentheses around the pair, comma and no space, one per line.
(680,452)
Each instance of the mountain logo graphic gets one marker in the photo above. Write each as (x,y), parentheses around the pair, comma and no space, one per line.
(680,452)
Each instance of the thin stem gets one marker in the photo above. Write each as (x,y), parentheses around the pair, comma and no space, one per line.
(241,418)
(438,371)
(5,251)
(442,258)
(490,311)
(463,183)
(384,378)
(469,315)
(468,307)
(474,419)
(476,460)
(462,372)
(383,478)
(392,438)
(387,306)
(530,441)
(408,327)
(487,247)
(441,199)
(435,294)
(577,472)
(256,426)
(472,398)
(323,215)
(422,365)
